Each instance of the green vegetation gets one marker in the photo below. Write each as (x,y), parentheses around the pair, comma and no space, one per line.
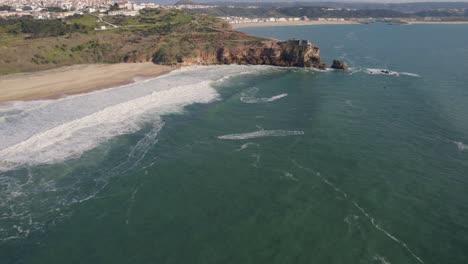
(40,28)
(158,35)
(84,20)
(46,28)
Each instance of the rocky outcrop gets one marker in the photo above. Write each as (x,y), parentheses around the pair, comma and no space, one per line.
(339,65)
(291,53)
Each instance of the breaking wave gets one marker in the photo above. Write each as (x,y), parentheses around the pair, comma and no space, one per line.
(262,133)
(389,72)
(51,131)
(461,146)
(249,97)
(72,138)
(252,100)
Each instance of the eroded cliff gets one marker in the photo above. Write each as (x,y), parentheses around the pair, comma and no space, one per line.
(292,53)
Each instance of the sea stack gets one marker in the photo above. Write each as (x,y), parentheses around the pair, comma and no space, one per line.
(339,65)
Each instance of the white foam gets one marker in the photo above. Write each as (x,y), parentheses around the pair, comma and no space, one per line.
(461,146)
(389,72)
(312,69)
(73,138)
(353,70)
(252,100)
(262,133)
(50,131)
(410,74)
(249,97)
(290,176)
(246,145)
(381,259)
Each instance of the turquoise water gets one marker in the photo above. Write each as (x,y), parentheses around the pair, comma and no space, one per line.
(238,164)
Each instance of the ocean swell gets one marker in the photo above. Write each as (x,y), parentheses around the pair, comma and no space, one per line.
(249,97)
(53,131)
(252,100)
(389,72)
(262,133)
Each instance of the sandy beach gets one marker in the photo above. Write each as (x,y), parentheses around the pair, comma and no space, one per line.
(293,23)
(74,79)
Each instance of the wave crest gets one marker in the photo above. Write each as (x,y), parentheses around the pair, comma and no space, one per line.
(249,97)
(51,131)
(389,72)
(262,133)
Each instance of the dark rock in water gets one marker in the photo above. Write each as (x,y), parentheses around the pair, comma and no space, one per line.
(322,66)
(339,65)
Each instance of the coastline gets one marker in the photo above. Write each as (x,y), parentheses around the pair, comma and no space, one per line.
(438,22)
(293,23)
(75,79)
(346,22)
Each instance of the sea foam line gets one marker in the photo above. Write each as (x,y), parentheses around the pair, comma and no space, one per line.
(252,100)
(262,133)
(460,145)
(249,97)
(362,210)
(389,72)
(246,145)
(71,139)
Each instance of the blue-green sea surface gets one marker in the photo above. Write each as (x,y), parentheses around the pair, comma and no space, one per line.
(252,164)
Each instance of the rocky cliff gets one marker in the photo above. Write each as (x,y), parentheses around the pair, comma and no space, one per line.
(292,53)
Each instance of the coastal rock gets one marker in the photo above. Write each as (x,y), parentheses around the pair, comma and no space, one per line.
(339,65)
(291,53)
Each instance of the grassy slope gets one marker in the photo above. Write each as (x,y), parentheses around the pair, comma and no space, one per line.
(170,33)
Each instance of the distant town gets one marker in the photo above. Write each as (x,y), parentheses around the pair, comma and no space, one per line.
(56,9)
(59,9)
(50,9)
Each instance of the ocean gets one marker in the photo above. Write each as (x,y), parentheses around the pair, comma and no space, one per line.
(252,164)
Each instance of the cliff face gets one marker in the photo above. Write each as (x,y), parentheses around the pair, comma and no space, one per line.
(292,53)
(296,53)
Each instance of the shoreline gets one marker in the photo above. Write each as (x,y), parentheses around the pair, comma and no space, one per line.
(293,23)
(437,22)
(77,79)
(346,22)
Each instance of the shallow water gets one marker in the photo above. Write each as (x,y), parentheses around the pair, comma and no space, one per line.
(239,164)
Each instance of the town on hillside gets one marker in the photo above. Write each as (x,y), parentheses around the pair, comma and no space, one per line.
(59,9)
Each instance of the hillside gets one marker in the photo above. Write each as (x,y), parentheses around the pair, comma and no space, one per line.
(166,36)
